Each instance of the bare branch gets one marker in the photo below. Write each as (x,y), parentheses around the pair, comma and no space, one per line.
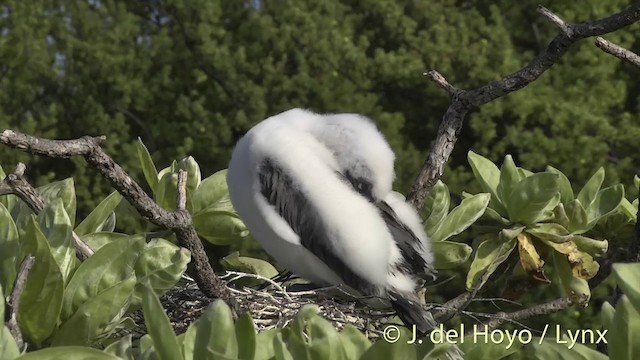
(178,221)
(462,101)
(16,184)
(542,309)
(182,190)
(14,300)
(441,82)
(618,51)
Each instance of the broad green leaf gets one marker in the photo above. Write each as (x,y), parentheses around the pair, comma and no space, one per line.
(264,344)
(211,190)
(591,246)
(324,340)
(96,220)
(250,265)
(560,216)
(8,347)
(189,340)
(606,315)
(627,276)
(164,339)
(385,350)
(111,264)
(56,227)
(90,321)
(280,349)
(531,196)
(488,176)
(215,333)
(550,231)
(578,219)
(490,253)
(588,193)
(41,300)
(9,249)
(97,240)
(509,177)
(571,285)
(160,265)
(449,254)
(123,348)
(354,342)
(194,177)
(68,353)
(524,173)
(220,227)
(564,186)
(63,190)
(606,201)
(436,207)
(462,216)
(475,347)
(246,337)
(628,209)
(623,334)
(148,167)
(167,191)
(558,349)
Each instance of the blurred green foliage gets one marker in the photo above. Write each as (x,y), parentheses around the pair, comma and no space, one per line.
(190,77)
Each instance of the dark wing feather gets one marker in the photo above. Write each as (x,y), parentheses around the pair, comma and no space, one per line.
(294,207)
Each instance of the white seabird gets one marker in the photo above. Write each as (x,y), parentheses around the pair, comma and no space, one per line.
(315,192)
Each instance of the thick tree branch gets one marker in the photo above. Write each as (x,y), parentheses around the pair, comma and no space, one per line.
(14,299)
(179,221)
(618,51)
(462,101)
(16,184)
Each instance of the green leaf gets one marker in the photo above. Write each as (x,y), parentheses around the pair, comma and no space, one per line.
(606,201)
(148,167)
(41,300)
(96,220)
(627,276)
(449,254)
(249,265)
(111,264)
(160,265)
(8,347)
(159,328)
(264,344)
(97,240)
(578,219)
(246,336)
(324,340)
(628,209)
(280,349)
(167,191)
(68,353)
(591,246)
(475,348)
(509,177)
(490,253)
(558,349)
(9,249)
(122,348)
(588,193)
(436,207)
(462,216)
(384,350)
(488,176)
(63,190)
(570,285)
(531,196)
(606,314)
(355,343)
(211,190)
(189,340)
(56,227)
(215,334)
(550,231)
(91,319)
(564,186)
(194,176)
(220,227)
(623,334)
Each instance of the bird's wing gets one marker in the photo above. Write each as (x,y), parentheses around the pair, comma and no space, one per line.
(291,204)
(409,244)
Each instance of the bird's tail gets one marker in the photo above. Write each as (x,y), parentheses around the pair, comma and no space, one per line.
(412,313)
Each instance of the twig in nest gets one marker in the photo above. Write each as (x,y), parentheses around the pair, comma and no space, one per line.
(14,300)
(16,184)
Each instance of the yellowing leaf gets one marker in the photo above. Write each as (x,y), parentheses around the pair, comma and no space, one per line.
(530,259)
